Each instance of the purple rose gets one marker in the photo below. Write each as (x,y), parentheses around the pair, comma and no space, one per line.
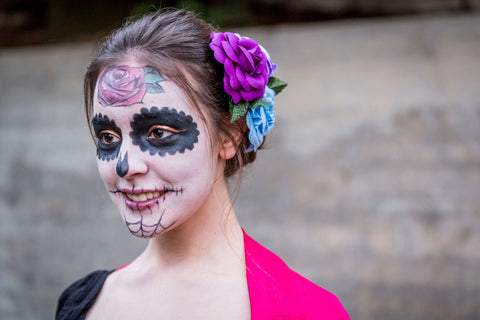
(245,64)
(270,65)
(121,86)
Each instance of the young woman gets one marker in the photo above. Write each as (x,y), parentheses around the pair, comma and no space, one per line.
(176,108)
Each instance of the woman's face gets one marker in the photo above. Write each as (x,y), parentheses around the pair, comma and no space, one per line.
(154,154)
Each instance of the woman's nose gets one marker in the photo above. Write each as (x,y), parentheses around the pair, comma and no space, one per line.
(122,165)
(131,162)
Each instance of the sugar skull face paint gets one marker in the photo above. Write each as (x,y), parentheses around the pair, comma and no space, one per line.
(156,139)
(122,165)
(155,158)
(109,137)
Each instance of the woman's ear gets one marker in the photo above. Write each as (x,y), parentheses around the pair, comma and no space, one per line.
(227,148)
(229,144)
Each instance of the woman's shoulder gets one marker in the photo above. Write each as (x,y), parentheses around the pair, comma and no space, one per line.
(275,289)
(77,298)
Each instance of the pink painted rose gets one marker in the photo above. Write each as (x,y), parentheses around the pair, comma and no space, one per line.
(245,64)
(121,86)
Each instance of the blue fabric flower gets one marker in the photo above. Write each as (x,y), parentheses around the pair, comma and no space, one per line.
(260,121)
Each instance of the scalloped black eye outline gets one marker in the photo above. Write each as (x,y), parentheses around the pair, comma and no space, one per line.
(102,122)
(180,141)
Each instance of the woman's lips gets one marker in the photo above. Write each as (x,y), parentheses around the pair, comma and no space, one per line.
(143,201)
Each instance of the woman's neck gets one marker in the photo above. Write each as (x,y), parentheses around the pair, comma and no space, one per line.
(210,240)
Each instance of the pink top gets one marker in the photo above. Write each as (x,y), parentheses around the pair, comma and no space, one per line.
(277,292)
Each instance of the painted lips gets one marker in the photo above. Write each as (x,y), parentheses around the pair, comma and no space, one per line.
(143,201)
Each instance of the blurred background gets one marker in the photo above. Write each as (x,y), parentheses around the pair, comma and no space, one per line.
(370,185)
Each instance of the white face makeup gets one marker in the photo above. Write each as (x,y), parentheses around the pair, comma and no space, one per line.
(154,154)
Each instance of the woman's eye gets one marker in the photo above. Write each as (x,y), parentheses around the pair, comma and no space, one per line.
(160,132)
(108,137)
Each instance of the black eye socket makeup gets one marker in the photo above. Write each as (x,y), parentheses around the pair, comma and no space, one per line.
(109,137)
(162,131)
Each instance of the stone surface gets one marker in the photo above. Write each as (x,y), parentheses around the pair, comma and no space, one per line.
(369,186)
(374,7)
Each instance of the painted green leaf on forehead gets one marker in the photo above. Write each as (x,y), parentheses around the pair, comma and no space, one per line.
(152,80)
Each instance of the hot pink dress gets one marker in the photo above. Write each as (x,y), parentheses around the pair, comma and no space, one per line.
(276,292)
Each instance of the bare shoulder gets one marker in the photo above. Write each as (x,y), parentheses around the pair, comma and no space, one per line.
(104,299)
(126,295)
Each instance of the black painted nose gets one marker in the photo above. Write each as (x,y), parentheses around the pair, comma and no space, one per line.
(122,165)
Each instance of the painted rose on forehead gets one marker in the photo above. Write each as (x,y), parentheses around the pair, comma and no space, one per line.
(126,85)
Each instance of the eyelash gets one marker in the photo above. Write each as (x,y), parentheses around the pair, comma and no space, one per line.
(114,135)
(164,130)
(165,133)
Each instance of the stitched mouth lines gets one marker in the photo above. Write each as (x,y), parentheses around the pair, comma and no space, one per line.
(141,199)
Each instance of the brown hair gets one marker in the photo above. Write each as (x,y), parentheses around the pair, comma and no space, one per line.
(177,42)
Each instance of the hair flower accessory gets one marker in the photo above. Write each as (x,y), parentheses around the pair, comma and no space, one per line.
(260,121)
(245,63)
(249,81)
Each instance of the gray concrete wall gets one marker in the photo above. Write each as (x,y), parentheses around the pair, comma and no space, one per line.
(370,186)
(373,7)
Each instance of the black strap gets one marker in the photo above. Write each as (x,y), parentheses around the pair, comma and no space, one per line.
(77,299)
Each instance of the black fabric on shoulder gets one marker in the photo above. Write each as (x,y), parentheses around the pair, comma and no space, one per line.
(75,301)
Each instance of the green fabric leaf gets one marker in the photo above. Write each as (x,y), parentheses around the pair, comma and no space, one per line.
(238,110)
(154,88)
(259,103)
(152,75)
(276,85)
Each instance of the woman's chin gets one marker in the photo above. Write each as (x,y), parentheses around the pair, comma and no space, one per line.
(148,224)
